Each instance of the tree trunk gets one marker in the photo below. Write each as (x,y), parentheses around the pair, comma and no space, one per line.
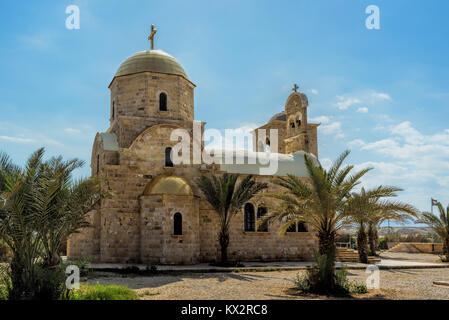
(372,239)
(362,246)
(446,247)
(376,240)
(326,243)
(224,242)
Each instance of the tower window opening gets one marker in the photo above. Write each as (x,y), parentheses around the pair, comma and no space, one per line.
(298,122)
(177,224)
(98,164)
(292,124)
(163,101)
(168,157)
(267,146)
(113,109)
(302,227)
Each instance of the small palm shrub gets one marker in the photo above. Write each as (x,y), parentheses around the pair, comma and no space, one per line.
(319,280)
(103,292)
(50,283)
(348,286)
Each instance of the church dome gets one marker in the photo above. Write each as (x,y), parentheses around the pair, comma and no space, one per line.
(281,116)
(152,61)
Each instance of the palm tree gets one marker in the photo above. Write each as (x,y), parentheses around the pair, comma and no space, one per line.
(18,224)
(400,215)
(227,199)
(62,204)
(320,203)
(40,206)
(439,224)
(367,209)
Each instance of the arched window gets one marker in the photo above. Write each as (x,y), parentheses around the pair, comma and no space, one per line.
(98,164)
(163,101)
(168,157)
(292,228)
(261,212)
(113,110)
(267,146)
(298,122)
(177,224)
(302,227)
(292,124)
(250,221)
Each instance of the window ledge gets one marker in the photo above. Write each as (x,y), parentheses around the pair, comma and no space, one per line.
(255,233)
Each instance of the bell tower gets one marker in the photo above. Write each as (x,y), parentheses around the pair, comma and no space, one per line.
(298,135)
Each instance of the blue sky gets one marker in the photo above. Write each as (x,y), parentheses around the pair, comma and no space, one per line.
(381,93)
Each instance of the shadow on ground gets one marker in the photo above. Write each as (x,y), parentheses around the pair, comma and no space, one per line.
(140,282)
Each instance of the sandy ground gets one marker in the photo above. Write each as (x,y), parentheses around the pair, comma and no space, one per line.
(418,257)
(394,284)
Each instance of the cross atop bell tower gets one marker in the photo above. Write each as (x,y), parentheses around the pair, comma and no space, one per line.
(151,37)
(295,88)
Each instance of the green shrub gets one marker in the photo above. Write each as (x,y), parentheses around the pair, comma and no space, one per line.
(309,282)
(148,293)
(5,252)
(82,264)
(4,282)
(50,283)
(103,292)
(383,245)
(348,286)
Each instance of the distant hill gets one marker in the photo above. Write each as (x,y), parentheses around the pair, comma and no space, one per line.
(402,230)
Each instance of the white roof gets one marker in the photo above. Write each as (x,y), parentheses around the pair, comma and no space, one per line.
(249,162)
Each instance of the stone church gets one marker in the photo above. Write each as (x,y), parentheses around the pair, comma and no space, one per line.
(155,212)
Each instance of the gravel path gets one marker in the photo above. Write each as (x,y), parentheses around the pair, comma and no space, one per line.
(394,284)
(418,257)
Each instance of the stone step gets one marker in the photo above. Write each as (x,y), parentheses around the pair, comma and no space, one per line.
(351,255)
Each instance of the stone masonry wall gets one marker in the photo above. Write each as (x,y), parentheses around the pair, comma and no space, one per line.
(254,246)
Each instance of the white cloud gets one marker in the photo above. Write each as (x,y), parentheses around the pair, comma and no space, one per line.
(314,91)
(381,96)
(333,128)
(415,159)
(406,131)
(17,139)
(362,110)
(356,143)
(368,98)
(345,103)
(37,41)
(72,131)
(321,119)
(326,163)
